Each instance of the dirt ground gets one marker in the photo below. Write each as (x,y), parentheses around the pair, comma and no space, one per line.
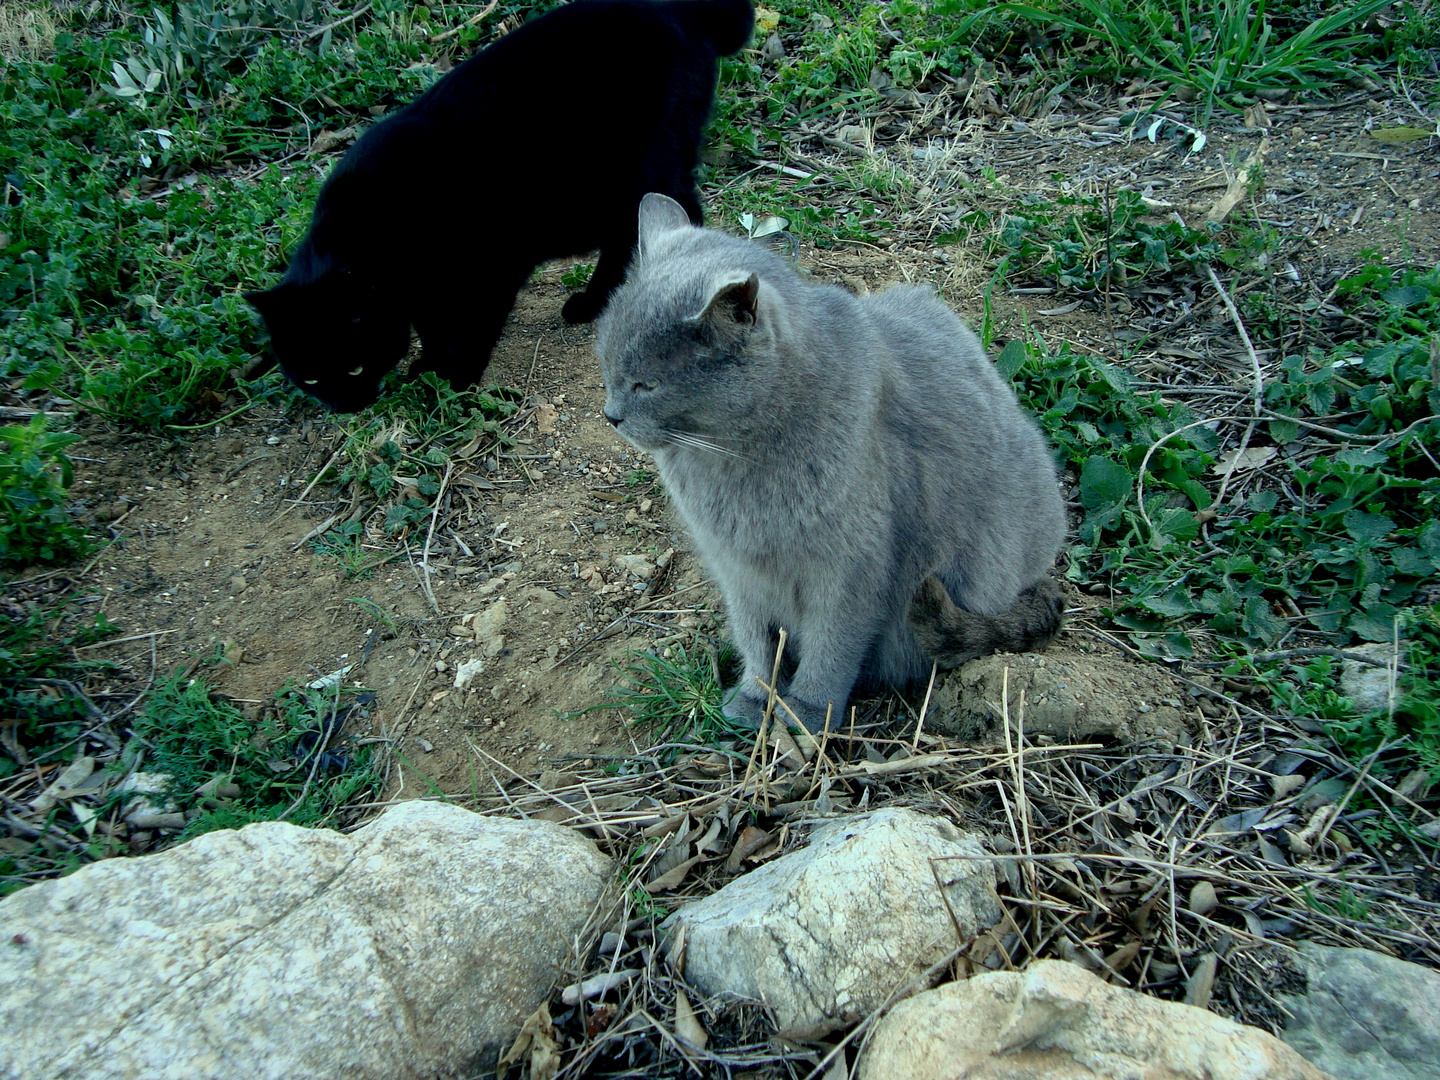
(569,561)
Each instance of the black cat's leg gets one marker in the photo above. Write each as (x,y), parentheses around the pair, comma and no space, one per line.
(459,328)
(609,272)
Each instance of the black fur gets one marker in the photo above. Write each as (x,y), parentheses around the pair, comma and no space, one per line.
(538,147)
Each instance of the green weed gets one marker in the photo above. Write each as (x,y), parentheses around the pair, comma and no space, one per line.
(1219,50)
(39,670)
(301,764)
(1346,541)
(676,694)
(398,450)
(1083,243)
(578,276)
(35,475)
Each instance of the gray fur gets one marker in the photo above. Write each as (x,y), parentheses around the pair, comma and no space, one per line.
(828,453)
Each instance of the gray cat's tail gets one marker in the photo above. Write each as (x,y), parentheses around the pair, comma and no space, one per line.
(950,635)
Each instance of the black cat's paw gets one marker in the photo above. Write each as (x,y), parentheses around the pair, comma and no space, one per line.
(583,307)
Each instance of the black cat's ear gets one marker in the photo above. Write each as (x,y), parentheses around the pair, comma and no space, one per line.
(734,304)
(660,214)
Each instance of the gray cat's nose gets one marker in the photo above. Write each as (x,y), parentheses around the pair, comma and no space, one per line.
(616,420)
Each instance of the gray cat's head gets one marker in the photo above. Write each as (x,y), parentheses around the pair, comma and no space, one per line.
(687,344)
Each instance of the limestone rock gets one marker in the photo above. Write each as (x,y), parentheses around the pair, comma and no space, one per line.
(411,948)
(1068,697)
(833,929)
(1056,1021)
(1368,686)
(1367,1016)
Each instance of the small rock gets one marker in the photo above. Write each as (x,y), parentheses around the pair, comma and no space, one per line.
(833,929)
(486,627)
(466,671)
(1368,686)
(599,525)
(638,565)
(1056,1021)
(145,785)
(509,499)
(1366,1016)
(1202,898)
(238,584)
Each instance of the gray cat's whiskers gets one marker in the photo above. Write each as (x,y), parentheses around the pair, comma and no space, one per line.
(699,442)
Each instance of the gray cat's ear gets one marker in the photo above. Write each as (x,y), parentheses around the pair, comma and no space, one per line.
(734,304)
(660,214)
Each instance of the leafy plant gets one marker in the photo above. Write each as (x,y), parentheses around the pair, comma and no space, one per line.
(1342,548)
(1078,242)
(195,52)
(398,450)
(300,764)
(578,276)
(35,474)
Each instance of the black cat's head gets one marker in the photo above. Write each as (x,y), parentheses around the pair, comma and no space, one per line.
(334,337)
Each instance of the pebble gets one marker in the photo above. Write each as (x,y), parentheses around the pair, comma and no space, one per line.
(238,584)
(599,525)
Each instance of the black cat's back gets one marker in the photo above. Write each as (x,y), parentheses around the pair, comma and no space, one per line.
(538,147)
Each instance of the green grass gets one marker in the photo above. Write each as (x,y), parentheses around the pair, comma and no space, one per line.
(676,694)
(300,764)
(1345,542)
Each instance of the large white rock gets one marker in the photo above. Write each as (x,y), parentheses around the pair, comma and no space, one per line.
(1056,1021)
(833,929)
(411,948)
(1367,1016)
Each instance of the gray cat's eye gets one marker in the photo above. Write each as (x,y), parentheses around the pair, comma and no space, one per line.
(358,371)
(643,387)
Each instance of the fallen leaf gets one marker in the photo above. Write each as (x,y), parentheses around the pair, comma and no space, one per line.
(751,838)
(1202,898)
(673,878)
(1401,134)
(70,777)
(538,1037)
(1238,460)
(1202,981)
(600,1019)
(711,841)
(688,1029)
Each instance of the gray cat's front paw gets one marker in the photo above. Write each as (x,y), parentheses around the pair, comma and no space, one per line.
(747,712)
(744,711)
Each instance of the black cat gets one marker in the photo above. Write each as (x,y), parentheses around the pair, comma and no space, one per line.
(537,147)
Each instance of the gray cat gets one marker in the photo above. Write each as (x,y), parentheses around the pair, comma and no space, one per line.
(853,469)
